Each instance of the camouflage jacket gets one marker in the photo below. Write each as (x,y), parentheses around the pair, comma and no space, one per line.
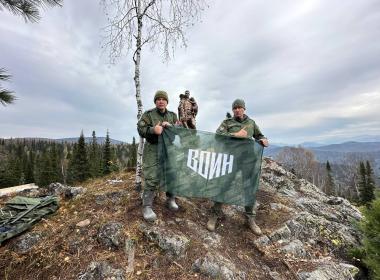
(187,108)
(232,125)
(149,119)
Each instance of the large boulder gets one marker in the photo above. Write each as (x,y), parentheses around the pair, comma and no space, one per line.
(172,243)
(218,267)
(111,235)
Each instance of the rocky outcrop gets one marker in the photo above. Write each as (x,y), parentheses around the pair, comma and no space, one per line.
(306,235)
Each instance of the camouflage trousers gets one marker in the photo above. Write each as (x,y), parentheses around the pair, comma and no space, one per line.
(189,123)
(151,167)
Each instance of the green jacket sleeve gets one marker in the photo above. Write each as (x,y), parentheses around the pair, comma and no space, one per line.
(175,118)
(257,132)
(223,129)
(145,127)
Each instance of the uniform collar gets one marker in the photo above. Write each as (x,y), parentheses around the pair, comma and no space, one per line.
(241,120)
(162,114)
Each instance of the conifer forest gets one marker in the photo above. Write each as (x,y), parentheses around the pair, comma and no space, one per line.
(43,161)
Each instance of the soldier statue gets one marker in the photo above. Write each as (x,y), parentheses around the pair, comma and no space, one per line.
(187,110)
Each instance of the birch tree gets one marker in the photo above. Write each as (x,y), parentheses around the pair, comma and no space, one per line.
(159,24)
(301,160)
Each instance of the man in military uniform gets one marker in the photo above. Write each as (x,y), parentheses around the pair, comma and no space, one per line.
(240,125)
(150,126)
(187,110)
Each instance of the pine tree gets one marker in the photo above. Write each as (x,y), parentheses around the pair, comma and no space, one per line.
(370,226)
(107,156)
(29,173)
(28,9)
(133,154)
(362,182)
(366,183)
(330,185)
(94,157)
(56,175)
(370,182)
(79,168)
(14,171)
(46,171)
(6,96)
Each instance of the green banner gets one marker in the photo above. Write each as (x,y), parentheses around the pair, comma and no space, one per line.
(208,165)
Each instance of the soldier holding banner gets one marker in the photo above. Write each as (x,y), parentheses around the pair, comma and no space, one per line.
(240,125)
(150,126)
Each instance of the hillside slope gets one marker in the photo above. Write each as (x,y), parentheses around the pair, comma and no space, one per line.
(100,234)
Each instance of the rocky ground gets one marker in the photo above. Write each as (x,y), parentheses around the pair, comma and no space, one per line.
(98,233)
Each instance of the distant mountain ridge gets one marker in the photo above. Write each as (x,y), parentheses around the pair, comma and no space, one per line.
(346,147)
(350,147)
(338,154)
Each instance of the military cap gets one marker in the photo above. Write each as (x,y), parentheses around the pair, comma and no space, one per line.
(161,94)
(238,103)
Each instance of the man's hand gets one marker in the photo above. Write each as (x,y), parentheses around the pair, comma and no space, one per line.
(264,142)
(241,133)
(166,124)
(158,128)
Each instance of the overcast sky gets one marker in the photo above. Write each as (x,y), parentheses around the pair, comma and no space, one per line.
(308,71)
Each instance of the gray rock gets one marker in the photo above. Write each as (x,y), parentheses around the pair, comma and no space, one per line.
(56,189)
(27,241)
(282,233)
(111,235)
(84,223)
(275,275)
(209,239)
(281,207)
(67,191)
(330,271)
(74,192)
(295,248)
(306,226)
(173,244)
(114,197)
(277,178)
(262,241)
(217,266)
(101,271)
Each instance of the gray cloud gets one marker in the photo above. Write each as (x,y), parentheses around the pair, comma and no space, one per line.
(309,71)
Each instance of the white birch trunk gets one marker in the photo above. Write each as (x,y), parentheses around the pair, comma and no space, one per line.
(137,59)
